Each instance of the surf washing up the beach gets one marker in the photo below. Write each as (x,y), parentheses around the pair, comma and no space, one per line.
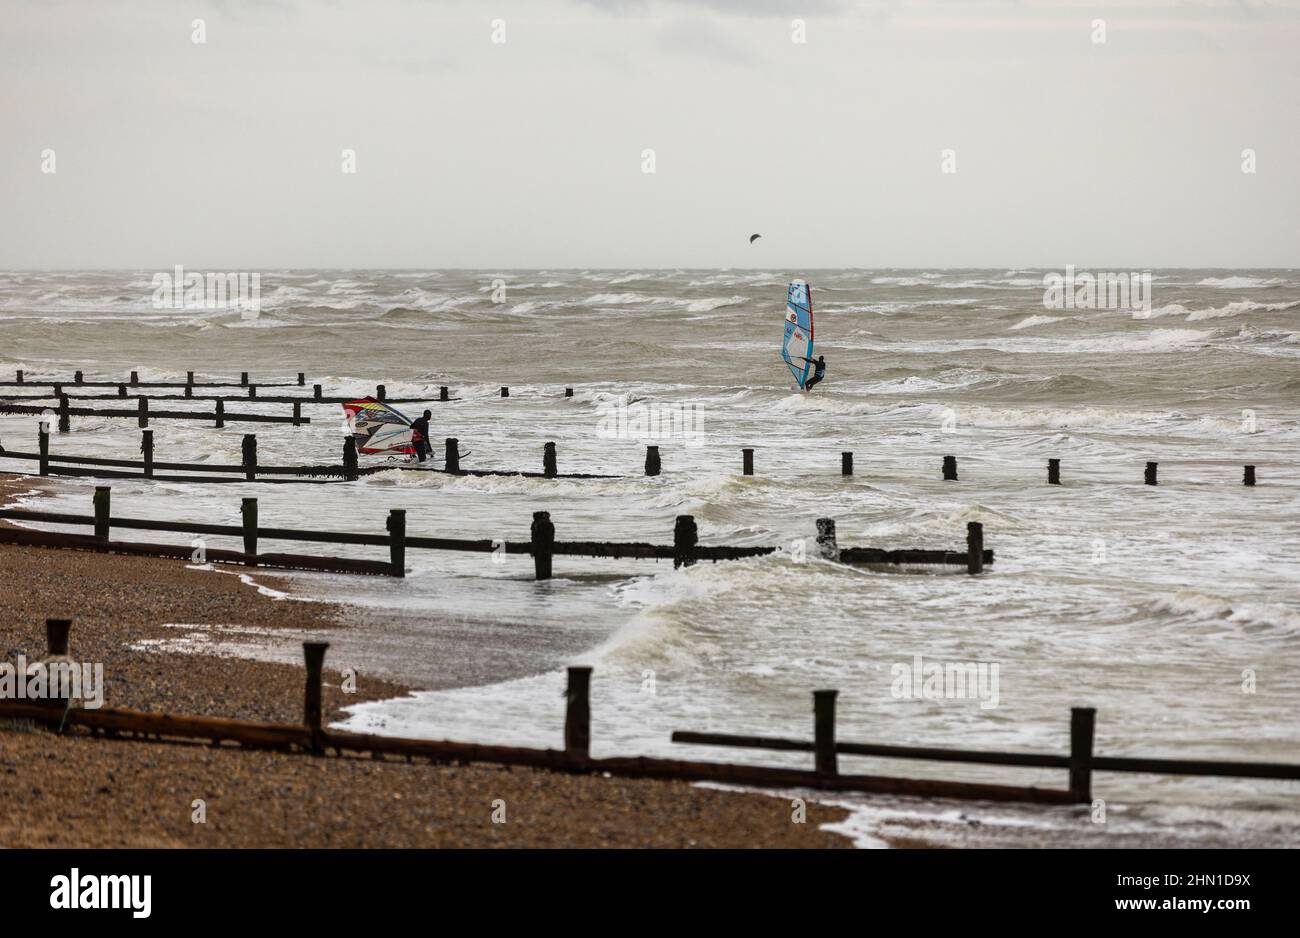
(1172,609)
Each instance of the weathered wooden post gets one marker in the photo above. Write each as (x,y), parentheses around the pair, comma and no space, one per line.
(652,460)
(505,391)
(302,378)
(146,448)
(313,654)
(950,468)
(747,462)
(102,502)
(142,412)
(1150,476)
(58,390)
(543,532)
(77,379)
(685,537)
(121,390)
(56,636)
(825,761)
(189,379)
(548,461)
(846,464)
(350,459)
(397,542)
(1053,472)
(315,392)
(1083,721)
(65,418)
(451,456)
(20,376)
(43,444)
(297,413)
(381,392)
(577,714)
(826,543)
(1249,477)
(221,414)
(243,377)
(248,510)
(189,390)
(442,394)
(568,392)
(135,378)
(252,390)
(974,547)
(250,457)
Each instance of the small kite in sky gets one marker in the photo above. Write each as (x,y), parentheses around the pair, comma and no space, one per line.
(754,237)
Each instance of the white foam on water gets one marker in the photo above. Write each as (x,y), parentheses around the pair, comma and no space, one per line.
(1240,308)
(1030,322)
(1239,283)
(947,381)
(1170,309)
(1208,607)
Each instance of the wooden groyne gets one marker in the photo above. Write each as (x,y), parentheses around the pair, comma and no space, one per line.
(78,380)
(160,390)
(250,470)
(250,394)
(350,468)
(142,414)
(948,469)
(1081,761)
(542,545)
(312,737)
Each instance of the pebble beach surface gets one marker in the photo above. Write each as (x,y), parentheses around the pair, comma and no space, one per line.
(76,791)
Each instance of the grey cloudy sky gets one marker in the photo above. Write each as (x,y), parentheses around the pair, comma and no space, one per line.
(528,153)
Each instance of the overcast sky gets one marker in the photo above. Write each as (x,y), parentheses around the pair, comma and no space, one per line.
(528,153)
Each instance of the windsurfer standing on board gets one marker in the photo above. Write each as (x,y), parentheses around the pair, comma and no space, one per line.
(420,436)
(820,365)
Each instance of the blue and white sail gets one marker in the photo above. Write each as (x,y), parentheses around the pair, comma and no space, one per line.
(798,342)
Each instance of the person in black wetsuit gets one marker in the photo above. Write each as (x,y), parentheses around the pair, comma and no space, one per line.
(820,364)
(421,436)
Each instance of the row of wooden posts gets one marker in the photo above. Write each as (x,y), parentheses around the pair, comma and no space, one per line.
(134,381)
(350,469)
(1150,475)
(318,396)
(542,545)
(653,466)
(313,737)
(143,414)
(381,391)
